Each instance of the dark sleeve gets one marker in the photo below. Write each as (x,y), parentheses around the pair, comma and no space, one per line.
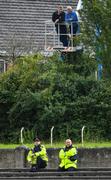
(62,17)
(54,17)
(73,158)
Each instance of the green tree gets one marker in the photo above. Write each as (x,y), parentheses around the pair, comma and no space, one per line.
(96,18)
(39,93)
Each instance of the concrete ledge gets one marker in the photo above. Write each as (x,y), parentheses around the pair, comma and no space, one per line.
(81,173)
(13,158)
(95,157)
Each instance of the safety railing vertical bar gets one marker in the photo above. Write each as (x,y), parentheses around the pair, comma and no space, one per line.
(45,36)
(53,34)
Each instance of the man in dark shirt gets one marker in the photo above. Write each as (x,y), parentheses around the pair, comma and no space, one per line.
(58,17)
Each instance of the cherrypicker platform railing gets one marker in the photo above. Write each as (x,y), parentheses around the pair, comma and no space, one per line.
(52,38)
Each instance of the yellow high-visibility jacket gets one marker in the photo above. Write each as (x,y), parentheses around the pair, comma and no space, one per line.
(32,156)
(65,158)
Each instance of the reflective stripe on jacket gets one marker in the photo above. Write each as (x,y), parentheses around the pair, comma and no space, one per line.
(32,156)
(65,156)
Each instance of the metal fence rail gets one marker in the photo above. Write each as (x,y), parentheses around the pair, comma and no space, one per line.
(52,35)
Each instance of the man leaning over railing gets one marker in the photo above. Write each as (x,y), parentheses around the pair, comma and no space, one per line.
(58,17)
(72,20)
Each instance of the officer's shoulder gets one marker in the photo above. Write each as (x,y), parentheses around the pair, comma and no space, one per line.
(74,147)
(42,146)
(30,150)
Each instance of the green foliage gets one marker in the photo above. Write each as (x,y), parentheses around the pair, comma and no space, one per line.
(28,135)
(40,92)
(96,16)
(60,144)
(37,93)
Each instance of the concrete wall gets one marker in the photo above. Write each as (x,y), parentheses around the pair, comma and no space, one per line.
(12,158)
(16,158)
(96,157)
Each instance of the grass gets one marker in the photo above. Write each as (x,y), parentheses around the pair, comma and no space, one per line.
(60,144)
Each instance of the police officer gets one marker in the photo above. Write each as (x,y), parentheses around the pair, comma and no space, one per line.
(37,156)
(68,157)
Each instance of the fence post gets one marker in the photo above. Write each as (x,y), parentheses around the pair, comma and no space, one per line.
(52,134)
(21,135)
(82,135)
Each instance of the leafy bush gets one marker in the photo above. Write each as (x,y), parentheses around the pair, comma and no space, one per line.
(38,93)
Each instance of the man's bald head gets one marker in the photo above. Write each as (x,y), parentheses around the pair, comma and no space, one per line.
(68,142)
(69,9)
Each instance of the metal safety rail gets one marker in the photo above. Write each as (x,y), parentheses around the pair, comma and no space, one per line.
(52,36)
